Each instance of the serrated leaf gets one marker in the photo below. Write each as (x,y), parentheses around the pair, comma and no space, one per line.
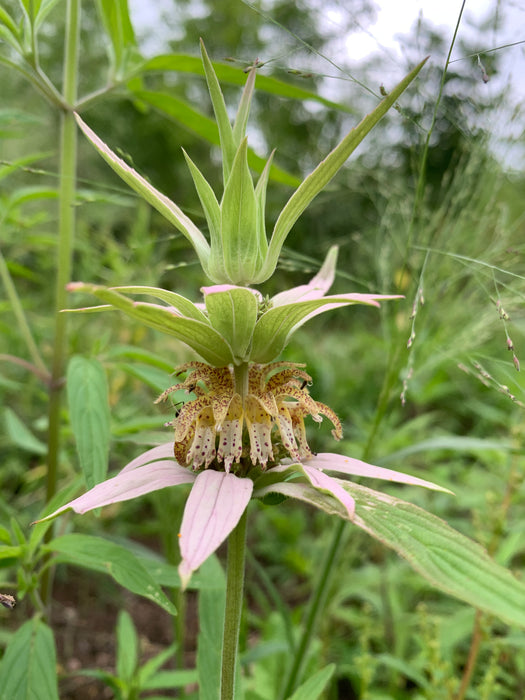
(314,686)
(447,559)
(234,313)
(28,667)
(107,557)
(324,172)
(87,395)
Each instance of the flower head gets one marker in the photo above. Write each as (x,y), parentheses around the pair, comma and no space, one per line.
(241,437)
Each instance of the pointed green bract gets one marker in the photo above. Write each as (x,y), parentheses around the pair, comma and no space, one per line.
(276,326)
(323,173)
(177,301)
(234,313)
(241,120)
(240,250)
(160,202)
(198,335)
(228,144)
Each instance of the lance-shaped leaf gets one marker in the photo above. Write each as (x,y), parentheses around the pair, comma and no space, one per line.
(213,509)
(447,559)
(160,202)
(199,335)
(233,313)
(87,395)
(277,325)
(183,63)
(324,172)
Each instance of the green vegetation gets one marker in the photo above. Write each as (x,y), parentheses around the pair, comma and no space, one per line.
(429,384)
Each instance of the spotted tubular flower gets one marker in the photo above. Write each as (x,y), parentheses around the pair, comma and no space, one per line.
(211,427)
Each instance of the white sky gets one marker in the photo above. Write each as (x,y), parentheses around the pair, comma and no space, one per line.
(398,17)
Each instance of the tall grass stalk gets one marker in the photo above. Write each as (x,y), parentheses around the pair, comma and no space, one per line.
(66,228)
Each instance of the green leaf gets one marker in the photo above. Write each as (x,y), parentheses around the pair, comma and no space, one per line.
(324,172)
(234,313)
(87,395)
(314,686)
(212,600)
(183,63)
(149,671)
(20,435)
(239,242)
(456,443)
(200,336)
(170,680)
(124,52)
(10,32)
(444,557)
(28,667)
(107,557)
(160,202)
(127,648)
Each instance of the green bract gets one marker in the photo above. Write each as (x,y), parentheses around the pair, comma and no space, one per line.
(238,251)
(235,325)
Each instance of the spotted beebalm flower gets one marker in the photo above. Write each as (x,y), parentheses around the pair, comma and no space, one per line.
(242,435)
(232,450)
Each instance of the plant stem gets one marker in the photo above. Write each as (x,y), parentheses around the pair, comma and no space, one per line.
(472,657)
(234,598)
(66,227)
